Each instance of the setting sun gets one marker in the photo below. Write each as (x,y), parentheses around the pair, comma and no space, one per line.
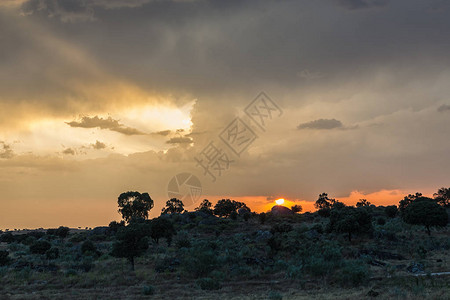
(279,201)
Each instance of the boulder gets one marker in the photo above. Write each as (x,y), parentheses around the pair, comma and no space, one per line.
(279,210)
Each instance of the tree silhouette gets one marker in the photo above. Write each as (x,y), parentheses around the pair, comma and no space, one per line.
(391,211)
(162,228)
(425,211)
(324,201)
(350,220)
(443,196)
(403,204)
(131,241)
(205,206)
(296,208)
(134,205)
(226,207)
(173,206)
(363,203)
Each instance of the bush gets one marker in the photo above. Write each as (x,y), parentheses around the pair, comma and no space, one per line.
(274,295)
(208,284)
(7,237)
(148,290)
(52,253)
(200,262)
(318,228)
(391,211)
(262,218)
(88,248)
(4,259)
(281,228)
(71,272)
(294,272)
(40,247)
(324,212)
(61,232)
(381,221)
(353,274)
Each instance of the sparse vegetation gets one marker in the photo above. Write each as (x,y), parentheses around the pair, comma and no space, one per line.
(350,251)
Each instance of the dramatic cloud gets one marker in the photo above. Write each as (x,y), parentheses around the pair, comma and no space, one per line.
(98,145)
(180,140)
(321,124)
(6,151)
(69,151)
(163,132)
(137,67)
(361,4)
(444,108)
(109,123)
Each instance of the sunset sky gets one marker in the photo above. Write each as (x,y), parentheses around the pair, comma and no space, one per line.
(99,97)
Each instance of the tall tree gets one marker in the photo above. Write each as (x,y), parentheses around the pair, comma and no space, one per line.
(363,203)
(324,201)
(425,211)
(131,241)
(134,205)
(173,206)
(350,220)
(403,204)
(226,207)
(205,206)
(443,196)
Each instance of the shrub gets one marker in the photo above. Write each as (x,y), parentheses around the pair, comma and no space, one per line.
(281,228)
(114,226)
(208,283)
(7,237)
(4,259)
(318,228)
(52,253)
(353,274)
(200,262)
(183,243)
(324,212)
(294,272)
(148,290)
(71,272)
(88,248)
(274,295)
(381,221)
(40,247)
(391,211)
(262,218)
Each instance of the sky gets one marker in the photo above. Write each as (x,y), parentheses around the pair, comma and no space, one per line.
(101,97)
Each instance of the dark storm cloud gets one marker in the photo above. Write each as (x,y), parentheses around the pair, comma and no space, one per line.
(109,123)
(69,151)
(180,140)
(98,145)
(163,132)
(75,10)
(444,108)
(6,151)
(362,4)
(321,124)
